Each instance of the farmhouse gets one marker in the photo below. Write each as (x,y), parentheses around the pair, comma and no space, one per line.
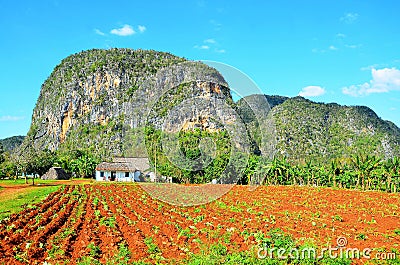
(122,169)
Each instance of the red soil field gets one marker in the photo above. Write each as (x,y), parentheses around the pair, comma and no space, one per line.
(104,222)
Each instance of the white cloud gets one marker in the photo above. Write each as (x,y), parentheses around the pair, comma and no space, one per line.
(211,41)
(99,32)
(357,90)
(370,67)
(210,44)
(387,76)
(349,18)
(126,30)
(142,28)
(332,48)
(202,47)
(340,35)
(312,91)
(11,118)
(383,80)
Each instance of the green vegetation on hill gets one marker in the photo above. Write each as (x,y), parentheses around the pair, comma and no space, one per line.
(307,130)
(98,104)
(94,98)
(194,161)
(327,131)
(89,89)
(80,66)
(9,144)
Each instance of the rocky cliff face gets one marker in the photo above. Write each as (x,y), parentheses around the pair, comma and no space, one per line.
(96,97)
(103,99)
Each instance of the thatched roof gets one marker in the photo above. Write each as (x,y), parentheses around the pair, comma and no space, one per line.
(56,173)
(141,163)
(107,166)
(129,164)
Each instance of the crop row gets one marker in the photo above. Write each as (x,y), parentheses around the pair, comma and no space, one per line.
(113,223)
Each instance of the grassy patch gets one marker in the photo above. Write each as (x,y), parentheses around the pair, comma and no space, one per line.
(21,181)
(38,181)
(12,201)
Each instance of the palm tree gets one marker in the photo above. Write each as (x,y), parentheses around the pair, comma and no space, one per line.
(269,170)
(309,170)
(274,168)
(295,173)
(323,176)
(364,165)
(285,168)
(392,171)
(260,174)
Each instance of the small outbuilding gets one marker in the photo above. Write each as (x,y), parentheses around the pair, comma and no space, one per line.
(122,169)
(151,176)
(56,173)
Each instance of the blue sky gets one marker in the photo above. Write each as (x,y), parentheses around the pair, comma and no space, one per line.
(328,51)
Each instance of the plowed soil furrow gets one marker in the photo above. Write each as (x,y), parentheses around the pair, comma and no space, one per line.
(90,223)
(151,222)
(21,219)
(110,236)
(40,241)
(87,231)
(55,242)
(131,234)
(18,241)
(75,231)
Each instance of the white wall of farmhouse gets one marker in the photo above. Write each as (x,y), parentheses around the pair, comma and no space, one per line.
(118,176)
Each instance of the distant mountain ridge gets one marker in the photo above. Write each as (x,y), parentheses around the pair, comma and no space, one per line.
(10,143)
(98,99)
(310,130)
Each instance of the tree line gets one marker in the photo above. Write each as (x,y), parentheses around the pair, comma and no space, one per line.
(367,172)
(360,171)
(36,162)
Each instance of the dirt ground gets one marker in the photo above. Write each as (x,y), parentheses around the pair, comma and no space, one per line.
(105,222)
(9,189)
